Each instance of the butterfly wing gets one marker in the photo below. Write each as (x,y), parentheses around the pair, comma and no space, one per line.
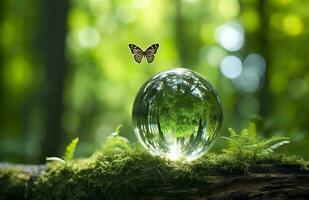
(150,51)
(137,52)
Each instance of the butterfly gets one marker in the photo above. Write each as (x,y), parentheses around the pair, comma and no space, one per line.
(139,53)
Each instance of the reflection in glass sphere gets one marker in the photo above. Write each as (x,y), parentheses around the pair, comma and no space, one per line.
(177,114)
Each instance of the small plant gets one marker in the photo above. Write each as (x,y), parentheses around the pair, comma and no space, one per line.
(248,143)
(116,143)
(69,152)
(70,149)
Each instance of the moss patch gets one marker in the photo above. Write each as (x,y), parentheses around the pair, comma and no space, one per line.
(121,170)
(13,183)
(125,174)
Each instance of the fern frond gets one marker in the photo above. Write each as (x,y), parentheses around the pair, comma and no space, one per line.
(273,143)
(117,130)
(232,141)
(115,142)
(247,142)
(226,138)
(244,138)
(252,132)
(70,149)
(232,132)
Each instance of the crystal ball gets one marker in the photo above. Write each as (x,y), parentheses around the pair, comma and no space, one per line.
(177,114)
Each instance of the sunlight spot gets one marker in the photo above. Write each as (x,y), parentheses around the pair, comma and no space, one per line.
(250,20)
(230,36)
(297,88)
(256,63)
(126,14)
(207,33)
(212,55)
(18,74)
(190,1)
(247,81)
(228,8)
(293,24)
(174,154)
(141,4)
(88,37)
(284,2)
(231,67)
(278,82)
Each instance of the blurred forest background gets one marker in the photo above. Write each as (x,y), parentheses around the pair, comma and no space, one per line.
(66,69)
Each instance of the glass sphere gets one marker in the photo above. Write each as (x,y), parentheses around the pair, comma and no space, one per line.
(177,114)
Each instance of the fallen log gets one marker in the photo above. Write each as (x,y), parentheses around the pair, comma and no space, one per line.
(264,181)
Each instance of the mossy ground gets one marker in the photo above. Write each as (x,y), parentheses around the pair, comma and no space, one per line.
(120,170)
(13,183)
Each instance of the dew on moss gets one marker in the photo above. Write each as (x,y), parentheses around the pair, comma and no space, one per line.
(177,114)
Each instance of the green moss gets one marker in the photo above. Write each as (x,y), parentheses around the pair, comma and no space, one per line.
(121,170)
(125,171)
(13,183)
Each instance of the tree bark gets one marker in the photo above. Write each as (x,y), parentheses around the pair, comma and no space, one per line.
(52,35)
(263,37)
(264,182)
(179,33)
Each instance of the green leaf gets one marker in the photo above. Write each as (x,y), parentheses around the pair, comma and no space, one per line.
(117,130)
(232,132)
(226,138)
(70,149)
(252,132)
(248,143)
(273,143)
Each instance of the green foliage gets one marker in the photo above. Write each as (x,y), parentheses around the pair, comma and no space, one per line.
(70,149)
(68,154)
(248,143)
(102,73)
(124,170)
(120,169)
(116,143)
(117,131)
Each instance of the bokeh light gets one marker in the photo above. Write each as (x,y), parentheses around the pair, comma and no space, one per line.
(230,36)
(278,83)
(293,24)
(89,37)
(248,80)
(124,13)
(297,88)
(231,66)
(229,8)
(250,19)
(212,55)
(256,63)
